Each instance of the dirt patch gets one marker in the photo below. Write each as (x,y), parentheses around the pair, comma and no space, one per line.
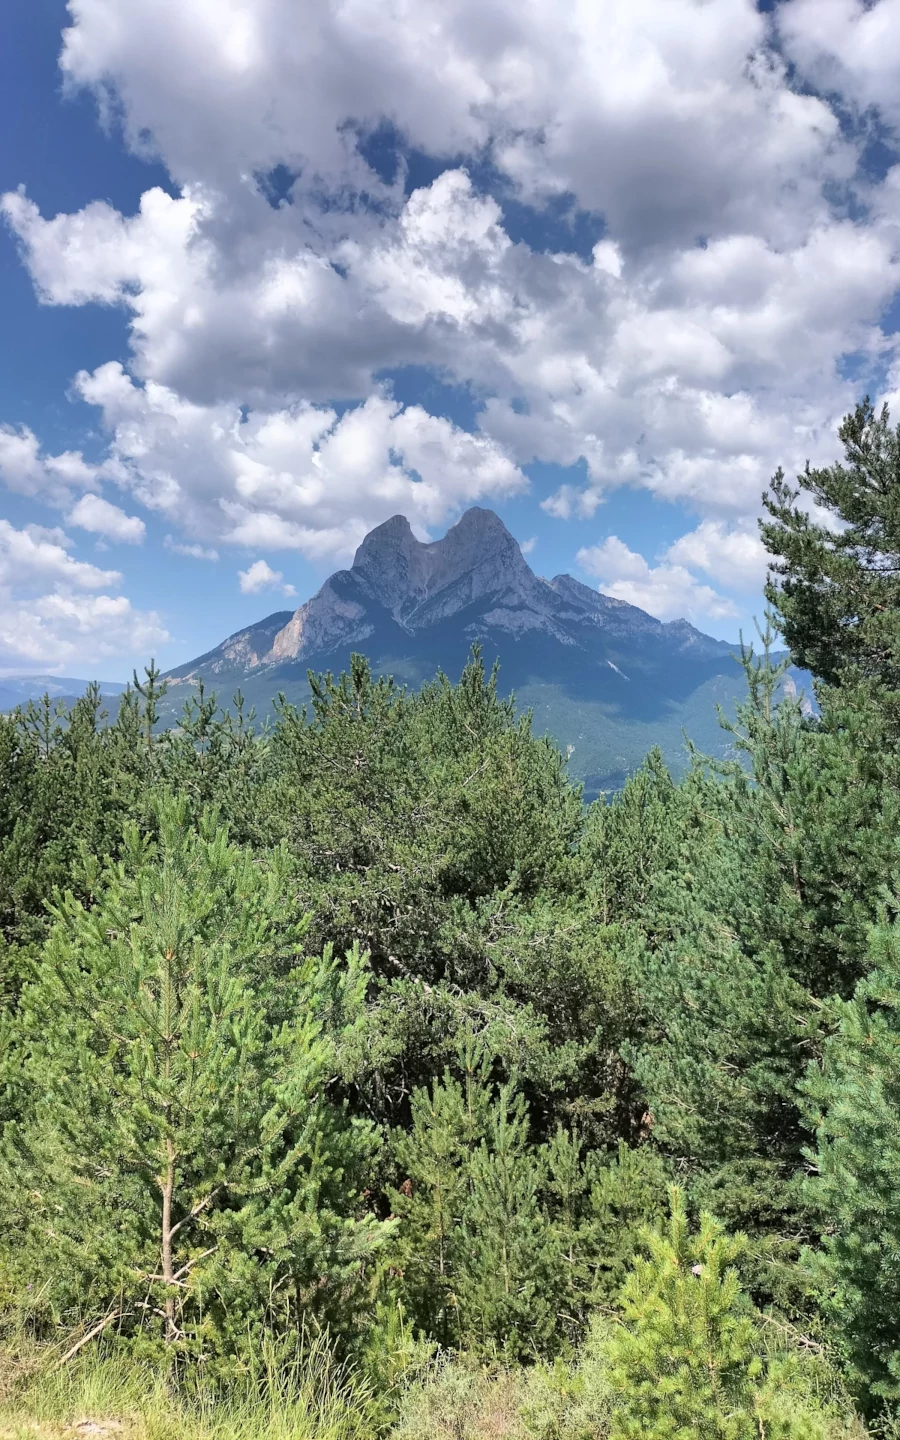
(87,1428)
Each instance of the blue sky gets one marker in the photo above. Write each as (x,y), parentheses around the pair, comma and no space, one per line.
(274,270)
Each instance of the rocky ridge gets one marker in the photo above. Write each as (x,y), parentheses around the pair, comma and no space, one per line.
(475,574)
(606,679)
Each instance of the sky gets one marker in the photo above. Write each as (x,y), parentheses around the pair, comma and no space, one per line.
(272,271)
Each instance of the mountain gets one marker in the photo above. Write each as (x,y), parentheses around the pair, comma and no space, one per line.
(602,676)
(19,689)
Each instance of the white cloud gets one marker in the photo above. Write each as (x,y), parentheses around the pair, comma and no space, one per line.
(668,591)
(32,556)
(49,612)
(20,466)
(570,500)
(527,546)
(298,478)
(848,46)
(735,558)
(243,304)
(26,470)
(95,254)
(59,628)
(693,372)
(195,552)
(94,513)
(261,576)
(670,117)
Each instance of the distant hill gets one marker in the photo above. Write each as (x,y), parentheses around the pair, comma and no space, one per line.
(19,689)
(603,677)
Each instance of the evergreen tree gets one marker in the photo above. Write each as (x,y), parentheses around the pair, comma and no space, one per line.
(628,1194)
(753,912)
(684,1359)
(151,690)
(854,1105)
(512,1282)
(448,1120)
(177,1168)
(67,782)
(836,579)
(714,1047)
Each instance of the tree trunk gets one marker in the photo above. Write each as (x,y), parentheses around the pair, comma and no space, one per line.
(168,1269)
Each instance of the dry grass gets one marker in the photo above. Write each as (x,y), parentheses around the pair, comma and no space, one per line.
(98,1398)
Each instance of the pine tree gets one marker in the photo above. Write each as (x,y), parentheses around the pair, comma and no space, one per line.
(511,1283)
(151,692)
(446,1122)
(176,1169)
(836,586)
(854,1105)
(683,1360)
(628,1193)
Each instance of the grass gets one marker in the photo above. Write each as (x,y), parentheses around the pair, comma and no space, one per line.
(111,1397)
(118,1399)
(109,1400)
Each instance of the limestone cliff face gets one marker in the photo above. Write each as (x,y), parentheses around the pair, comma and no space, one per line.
(392,565)
(242,652)
(323,622)
(478,563)
(403,594)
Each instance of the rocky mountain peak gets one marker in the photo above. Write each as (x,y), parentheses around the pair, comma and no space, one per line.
(590,663)
(393,537)
(391,563)
(416,578)
(474,580)
(477,527)
(479,537)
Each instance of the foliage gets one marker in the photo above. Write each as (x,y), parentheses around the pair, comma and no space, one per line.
(685,1360)
(854,1103)
(177,1167)
(835,585)
(362,1023)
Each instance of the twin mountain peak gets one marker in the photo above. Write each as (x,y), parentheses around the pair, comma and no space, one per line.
(604,678)
(410,597)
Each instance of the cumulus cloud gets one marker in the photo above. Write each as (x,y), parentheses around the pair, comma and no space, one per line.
(733,557)
(693,373)
(743,261)
(260,576)
(25,469)
(668,591)
(94,513)
(50,611)
(33,555)
(58,628)
(569,500)
(671,118)
(194,552)
(299,478)
(847,46)
(244,306)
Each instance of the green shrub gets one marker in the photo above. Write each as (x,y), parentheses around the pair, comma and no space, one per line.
(688,1360)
